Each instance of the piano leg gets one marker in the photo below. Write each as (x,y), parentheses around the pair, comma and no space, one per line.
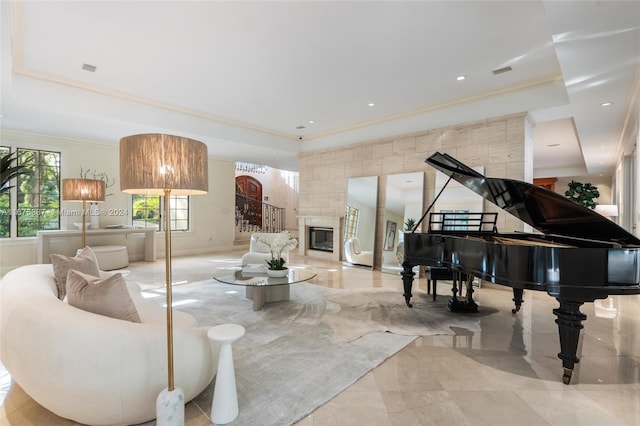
(407,281)
(569,325)
(517,299)
(468,304)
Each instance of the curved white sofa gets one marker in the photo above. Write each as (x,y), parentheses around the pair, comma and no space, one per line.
(355,255)
(91,368)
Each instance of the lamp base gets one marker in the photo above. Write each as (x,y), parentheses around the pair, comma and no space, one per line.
(170,408)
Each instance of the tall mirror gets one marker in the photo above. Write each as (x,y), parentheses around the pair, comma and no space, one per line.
(360,220)
(404,194)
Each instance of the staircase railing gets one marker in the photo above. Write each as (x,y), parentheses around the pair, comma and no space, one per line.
(256,216)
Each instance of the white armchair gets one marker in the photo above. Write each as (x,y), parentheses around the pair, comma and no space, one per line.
(354,253)
(259,252)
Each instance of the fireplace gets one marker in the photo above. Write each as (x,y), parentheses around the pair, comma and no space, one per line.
(321,239)
(332,248)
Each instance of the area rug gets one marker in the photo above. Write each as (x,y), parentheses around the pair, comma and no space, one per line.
(369,310)
(296,355)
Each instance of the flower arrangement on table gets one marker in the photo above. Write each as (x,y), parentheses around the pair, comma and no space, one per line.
(282,242)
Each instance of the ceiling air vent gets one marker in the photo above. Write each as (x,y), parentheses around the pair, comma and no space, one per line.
(300,127)
(501,70)
(90,68)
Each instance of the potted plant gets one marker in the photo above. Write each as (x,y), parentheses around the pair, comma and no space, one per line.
(409,224)
(582,193)
(282,243)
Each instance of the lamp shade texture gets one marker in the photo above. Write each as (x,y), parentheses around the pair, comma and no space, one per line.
(152,162)
(83,190)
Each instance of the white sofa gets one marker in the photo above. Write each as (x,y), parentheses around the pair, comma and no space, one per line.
(354,253)
(91,368)
(259,252)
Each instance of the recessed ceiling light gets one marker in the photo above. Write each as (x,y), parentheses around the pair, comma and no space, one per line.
(371,104)
(554,144)
(311,121)
(602,146)
(606,104)
(461,77)
(1,115)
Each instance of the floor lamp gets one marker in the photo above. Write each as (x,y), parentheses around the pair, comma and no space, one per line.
(92,190)
(157,164)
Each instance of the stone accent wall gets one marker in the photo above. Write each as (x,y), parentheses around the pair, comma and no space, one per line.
(498,144)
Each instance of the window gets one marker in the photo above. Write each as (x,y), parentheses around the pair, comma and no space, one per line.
(35,199)
(147,212)
(351,222)
(179,211)
(38,192)
(5,205)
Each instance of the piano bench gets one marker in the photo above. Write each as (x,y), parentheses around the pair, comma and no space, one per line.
(435,273)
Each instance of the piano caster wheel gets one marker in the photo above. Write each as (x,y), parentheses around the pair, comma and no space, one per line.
(515,310)
(409,304)
(566,377)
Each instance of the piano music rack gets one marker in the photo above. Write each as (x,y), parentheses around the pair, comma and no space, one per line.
(463,221)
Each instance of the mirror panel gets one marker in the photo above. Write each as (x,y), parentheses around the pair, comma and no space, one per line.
(360,220)
(403,200)
(456,198)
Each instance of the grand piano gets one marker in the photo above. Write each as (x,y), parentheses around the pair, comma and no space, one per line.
(577,256)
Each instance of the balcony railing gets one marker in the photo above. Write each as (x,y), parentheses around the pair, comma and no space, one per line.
(256,216)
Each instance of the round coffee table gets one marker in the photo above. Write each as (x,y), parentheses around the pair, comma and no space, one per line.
(262,288)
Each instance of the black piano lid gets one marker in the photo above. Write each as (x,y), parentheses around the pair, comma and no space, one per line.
(546,211)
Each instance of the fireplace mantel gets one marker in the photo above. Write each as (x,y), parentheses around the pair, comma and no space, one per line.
(335,223)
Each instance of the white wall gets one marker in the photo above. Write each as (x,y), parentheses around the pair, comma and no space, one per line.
(212,214)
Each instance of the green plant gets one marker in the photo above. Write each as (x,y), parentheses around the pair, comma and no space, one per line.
(409,224)
(8,171)
(583,193)
(276,264)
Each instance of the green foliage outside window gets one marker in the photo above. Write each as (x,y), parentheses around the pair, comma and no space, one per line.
(147,212)
(36,175)
(38,192)
(6,175)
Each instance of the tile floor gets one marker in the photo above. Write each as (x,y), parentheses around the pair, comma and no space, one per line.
(506,374)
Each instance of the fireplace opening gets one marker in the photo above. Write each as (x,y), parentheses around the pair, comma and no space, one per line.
(321,239)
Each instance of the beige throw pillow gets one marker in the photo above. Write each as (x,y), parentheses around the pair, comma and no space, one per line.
(85,261)
(104,296)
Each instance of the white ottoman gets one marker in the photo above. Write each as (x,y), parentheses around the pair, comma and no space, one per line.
(111,257)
